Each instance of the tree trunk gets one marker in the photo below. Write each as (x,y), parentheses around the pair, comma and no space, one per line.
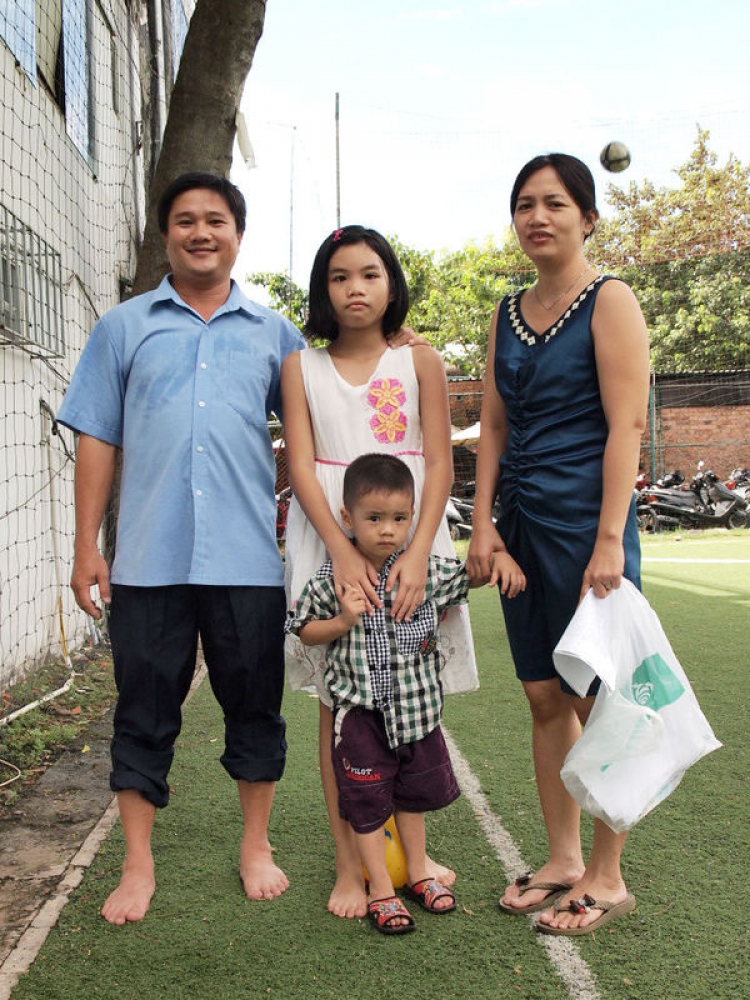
(199,134)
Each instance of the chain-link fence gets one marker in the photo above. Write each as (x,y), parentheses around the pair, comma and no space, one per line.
(72,204)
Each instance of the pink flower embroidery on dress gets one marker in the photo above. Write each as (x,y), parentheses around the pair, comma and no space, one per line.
(386,396)
(386,392)
(389,427)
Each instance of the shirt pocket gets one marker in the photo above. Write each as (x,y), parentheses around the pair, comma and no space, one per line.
(418,637)
(244,382)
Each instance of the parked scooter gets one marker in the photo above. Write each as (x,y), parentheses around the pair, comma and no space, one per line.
(707,504)
(459,513)
(722,496)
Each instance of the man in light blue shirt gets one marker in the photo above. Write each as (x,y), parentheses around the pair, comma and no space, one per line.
(182,380)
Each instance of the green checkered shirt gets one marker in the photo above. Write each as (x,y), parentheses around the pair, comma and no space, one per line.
(411,701)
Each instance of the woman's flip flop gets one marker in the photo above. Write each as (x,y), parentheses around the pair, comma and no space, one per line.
(610,911)
(524,883)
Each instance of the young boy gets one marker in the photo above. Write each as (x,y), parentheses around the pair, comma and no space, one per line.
(389,754)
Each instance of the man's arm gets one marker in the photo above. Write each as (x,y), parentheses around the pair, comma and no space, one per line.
(94,476)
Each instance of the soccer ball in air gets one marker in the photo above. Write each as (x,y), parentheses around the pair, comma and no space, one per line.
(615,157)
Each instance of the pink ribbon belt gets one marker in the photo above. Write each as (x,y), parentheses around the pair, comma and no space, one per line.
(398,454)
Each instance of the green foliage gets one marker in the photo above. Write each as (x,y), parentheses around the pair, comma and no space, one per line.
(453,296)
(685,251)
(286,297)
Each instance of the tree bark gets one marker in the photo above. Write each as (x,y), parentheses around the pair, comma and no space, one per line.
(199,134)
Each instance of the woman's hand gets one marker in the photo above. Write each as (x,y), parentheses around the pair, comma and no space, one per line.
(485,541)
(405,337)
(410,573)
(352,570)
(605,568)
(506,570)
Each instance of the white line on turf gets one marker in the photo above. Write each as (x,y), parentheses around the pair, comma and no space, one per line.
(563,953)
(665,559)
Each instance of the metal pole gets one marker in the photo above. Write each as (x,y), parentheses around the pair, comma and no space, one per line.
(338,168)
(291,220)
(652,423)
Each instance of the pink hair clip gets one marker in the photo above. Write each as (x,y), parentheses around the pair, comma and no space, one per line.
(337,235)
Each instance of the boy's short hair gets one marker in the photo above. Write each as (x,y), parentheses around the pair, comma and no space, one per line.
(198,179)
(376,473)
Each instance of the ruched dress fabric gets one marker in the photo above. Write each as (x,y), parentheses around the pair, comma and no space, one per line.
(550,485)
(381,415)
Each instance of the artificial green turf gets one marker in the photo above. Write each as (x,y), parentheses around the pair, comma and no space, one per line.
(686,862)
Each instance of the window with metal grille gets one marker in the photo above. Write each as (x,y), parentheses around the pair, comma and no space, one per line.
(31,300)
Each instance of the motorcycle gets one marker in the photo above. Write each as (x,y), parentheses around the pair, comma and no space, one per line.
(706,504)
(458,513)
(722,496)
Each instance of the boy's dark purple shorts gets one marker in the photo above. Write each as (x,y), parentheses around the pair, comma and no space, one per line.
(374,780)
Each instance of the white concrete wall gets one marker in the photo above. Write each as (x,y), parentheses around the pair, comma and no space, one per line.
(87,211)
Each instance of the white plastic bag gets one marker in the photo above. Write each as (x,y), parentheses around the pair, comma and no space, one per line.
(646,727)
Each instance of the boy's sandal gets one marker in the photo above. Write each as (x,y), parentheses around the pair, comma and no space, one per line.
(524,883)
(427,892)
(382,912)
(610,911)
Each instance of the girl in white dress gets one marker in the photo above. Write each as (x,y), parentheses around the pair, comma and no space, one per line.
(355,396)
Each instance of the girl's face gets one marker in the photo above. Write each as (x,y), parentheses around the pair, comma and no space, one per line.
(548,222)
(358,287)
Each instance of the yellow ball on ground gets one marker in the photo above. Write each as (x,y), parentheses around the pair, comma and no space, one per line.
(395,859)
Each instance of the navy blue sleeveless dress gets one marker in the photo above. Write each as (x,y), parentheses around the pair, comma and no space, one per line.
(550,485)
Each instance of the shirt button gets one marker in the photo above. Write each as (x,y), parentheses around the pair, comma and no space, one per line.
(201,403)
(199,493)
(199,448)
(204,365)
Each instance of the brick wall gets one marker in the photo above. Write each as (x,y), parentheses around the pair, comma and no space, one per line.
(718,435)
(684,435)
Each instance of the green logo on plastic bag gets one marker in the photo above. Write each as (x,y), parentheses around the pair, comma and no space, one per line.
(654,683)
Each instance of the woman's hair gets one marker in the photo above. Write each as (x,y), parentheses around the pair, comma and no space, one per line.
(376,472)
(321,321)
(574,174)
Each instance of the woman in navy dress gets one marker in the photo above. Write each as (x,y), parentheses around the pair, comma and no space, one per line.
(564,408)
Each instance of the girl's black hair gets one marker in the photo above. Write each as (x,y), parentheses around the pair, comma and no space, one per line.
(321,321)
(574,174)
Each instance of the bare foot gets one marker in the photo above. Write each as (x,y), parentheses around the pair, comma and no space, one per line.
(445,876)
(131,899)
(515,896)
(614,892)
(348,898)
(261,878)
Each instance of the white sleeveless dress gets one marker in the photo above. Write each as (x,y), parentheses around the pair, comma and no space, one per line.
(347,421)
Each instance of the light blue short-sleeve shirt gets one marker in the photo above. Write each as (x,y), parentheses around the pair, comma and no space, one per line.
(188,400)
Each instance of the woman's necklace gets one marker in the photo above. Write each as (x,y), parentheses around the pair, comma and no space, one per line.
(562,295)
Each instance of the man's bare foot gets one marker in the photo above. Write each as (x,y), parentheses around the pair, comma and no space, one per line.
(261,878)
(613,892)
(348,898)
(131,899)
(445,876)
(515,896)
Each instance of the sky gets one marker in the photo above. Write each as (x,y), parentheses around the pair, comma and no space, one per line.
(441,103)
